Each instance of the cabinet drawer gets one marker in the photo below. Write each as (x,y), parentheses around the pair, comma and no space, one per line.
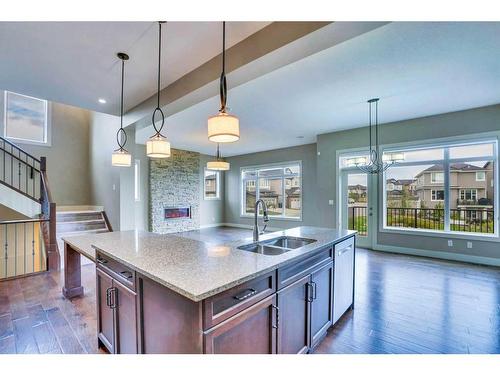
(116,270)
(230,302)
(289,274)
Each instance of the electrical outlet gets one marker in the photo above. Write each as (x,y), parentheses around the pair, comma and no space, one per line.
(450,243)
(114,187)
(469,244)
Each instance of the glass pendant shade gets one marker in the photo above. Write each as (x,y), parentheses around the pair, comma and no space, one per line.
(121,158)
(158,147)
(223,128)
(218,165)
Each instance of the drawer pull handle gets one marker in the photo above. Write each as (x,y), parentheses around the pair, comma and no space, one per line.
(101,261)
(345,250)
(127,274)
(245,294)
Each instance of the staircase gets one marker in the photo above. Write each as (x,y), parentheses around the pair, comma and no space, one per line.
(76,222)
(29,245)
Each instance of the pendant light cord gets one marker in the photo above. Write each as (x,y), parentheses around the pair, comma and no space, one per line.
(158,109)
(223,84)
(121,135)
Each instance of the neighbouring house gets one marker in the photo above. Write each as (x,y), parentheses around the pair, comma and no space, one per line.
(471,186)
(401,193)
(271,192)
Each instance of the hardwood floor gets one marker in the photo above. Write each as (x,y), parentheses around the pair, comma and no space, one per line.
(404,304)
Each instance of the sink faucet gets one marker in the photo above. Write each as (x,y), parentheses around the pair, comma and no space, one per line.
(256,230)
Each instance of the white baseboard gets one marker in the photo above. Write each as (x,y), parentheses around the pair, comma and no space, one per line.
(440,255)
(211,225)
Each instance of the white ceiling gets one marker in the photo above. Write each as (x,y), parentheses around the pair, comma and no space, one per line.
(75,62)
(416,68)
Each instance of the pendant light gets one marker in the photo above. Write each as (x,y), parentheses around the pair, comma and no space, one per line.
(157,146)
(374,163)
(218,164)
(121,157)
(223,127)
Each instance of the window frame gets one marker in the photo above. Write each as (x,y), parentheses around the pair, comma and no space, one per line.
(47,124)
(283,177)
(484,176)
(435,181)
(446,143)
(217,185)
(434,194)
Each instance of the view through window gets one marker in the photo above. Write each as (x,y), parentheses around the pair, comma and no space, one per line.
(279,186)
(25,118)
(211,184)
(463,176)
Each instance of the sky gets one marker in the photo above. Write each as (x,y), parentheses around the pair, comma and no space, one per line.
(25,117)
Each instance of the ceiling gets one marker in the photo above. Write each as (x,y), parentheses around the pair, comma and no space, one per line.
(75,62)
(416,68)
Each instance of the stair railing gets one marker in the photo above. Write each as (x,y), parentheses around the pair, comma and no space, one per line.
(27,175)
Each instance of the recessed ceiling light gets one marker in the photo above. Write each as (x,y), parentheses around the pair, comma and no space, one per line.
(102,101)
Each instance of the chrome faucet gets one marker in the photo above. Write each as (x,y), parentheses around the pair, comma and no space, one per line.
(256,230)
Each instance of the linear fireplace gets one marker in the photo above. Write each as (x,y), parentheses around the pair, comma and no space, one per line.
(177,212)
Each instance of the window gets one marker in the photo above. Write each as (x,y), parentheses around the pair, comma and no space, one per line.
(468,194)
(279,186)
(437,177)
(25,118)
(211,184)
(137,180)
(445,188)
(437,195)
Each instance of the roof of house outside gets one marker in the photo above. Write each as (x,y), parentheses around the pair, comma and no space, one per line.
(459,167)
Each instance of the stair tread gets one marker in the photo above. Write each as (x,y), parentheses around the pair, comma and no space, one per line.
(75,233)
(77,212)
(90,221)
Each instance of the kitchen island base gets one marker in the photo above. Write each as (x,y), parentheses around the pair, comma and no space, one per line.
(287,310)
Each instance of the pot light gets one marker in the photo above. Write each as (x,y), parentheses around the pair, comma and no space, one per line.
(102,101)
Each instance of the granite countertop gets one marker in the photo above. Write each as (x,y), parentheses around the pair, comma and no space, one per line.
(199,269)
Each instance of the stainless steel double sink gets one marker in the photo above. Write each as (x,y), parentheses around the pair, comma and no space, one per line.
(276,246)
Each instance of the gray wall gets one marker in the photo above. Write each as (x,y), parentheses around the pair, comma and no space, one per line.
(306,153)
(472,121)
(68,154)
(104,178)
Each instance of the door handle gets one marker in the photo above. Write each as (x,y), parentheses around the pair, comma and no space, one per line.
(108,297)
(314,285)
(277,309)
(245,294)
(112,297)
(344,250)
(309,297)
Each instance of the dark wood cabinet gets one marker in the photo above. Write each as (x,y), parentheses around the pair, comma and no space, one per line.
(252,331)
(116,315)
(125,319)
(105,315)
(294,313)
(287,310)
(321,302)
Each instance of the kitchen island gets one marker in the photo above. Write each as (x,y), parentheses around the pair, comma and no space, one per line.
(171,294)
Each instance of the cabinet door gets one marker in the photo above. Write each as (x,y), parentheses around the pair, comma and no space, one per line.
(252,331)
(124,303)
(343,278)
(105,314)
(322,302)
(293,331)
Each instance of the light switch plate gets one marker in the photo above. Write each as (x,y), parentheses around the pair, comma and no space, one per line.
(450,243)
(469,244)
(330,202)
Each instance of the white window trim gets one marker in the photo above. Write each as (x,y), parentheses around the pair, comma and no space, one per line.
(243,214)
(436,190)
(217,185)
(482,179)
(137,180)
(48,128)
(464,190)
(433,181)
(446,142)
